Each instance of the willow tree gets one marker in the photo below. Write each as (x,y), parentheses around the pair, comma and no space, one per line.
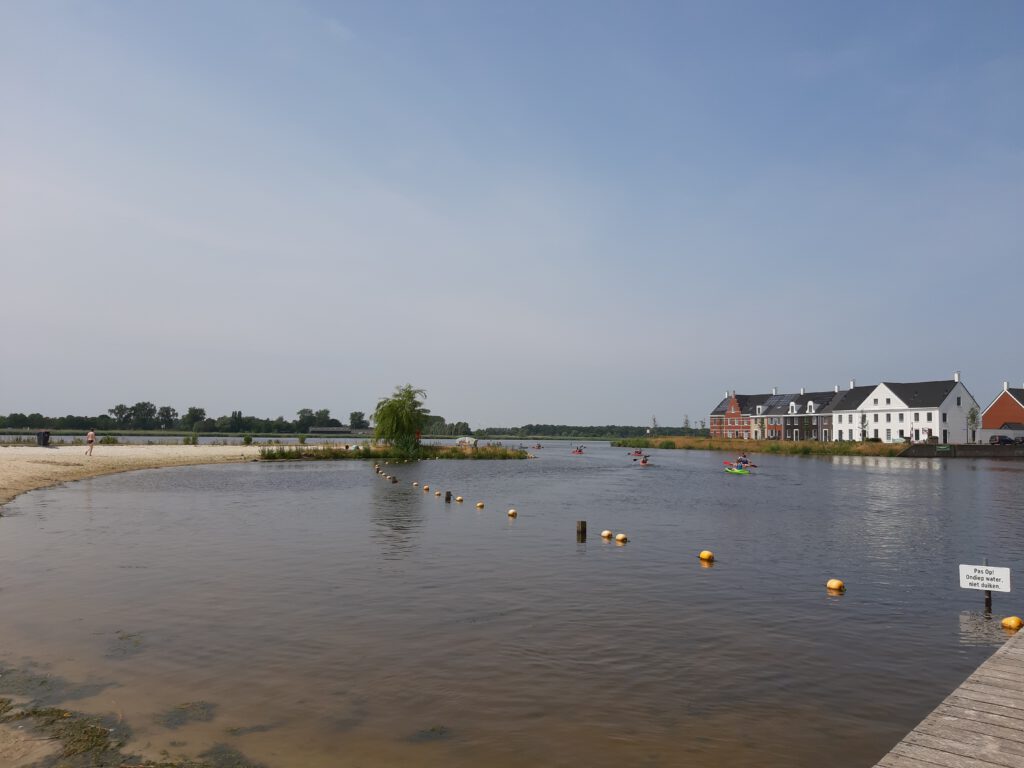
(399,419)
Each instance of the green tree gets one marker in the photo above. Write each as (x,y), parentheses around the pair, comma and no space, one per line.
(166,416)
(972,423)
(399,419)
(143,415)
(121,414)
(357,420)
(305,420)
(322,418)
(194,416)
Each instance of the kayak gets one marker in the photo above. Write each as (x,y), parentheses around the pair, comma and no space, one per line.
(578,452)
(737,471)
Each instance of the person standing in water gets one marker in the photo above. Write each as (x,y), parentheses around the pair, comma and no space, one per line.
(90,440)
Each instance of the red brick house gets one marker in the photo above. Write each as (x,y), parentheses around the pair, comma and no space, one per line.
(1007,408)
(731,417)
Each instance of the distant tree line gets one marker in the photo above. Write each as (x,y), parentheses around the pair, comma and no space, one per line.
(147,416)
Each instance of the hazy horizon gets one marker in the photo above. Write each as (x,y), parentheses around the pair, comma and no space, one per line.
(570,212)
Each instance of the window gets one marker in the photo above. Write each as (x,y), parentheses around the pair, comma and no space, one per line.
(917,417)
(943,418)
(759,410)
(888,435)
(787,434)
(958,401)
(876,401)
(901,434)
(840,434)
(876,421)
(901,421)
(888,418)
(928,416)
(876,433)
(888,401)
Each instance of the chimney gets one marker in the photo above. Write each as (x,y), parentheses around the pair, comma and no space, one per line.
(836,389)
(853,383)
(775,390)
(1006,385)
(801,390)
(727,394)
(956,375)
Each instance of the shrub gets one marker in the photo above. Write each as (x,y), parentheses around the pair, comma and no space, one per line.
(667,444)
(108,440)
(246,439)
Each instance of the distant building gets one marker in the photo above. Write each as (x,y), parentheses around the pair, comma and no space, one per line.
(890,412)
(1005,416)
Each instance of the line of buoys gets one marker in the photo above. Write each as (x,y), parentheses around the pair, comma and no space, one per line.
(1013,623)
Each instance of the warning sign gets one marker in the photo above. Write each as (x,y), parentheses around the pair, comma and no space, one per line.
(985,577)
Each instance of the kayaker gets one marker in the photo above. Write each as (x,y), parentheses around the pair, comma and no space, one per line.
(742,461)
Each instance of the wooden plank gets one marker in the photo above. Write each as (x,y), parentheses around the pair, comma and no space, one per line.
(983,748)
(942,728)
(902,761)
(995,681)
(1001,670)
(983,705)
(939,725)
(998,695)
(1016,725)
(941,758)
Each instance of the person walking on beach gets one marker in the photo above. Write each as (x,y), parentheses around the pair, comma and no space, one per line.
(90,440)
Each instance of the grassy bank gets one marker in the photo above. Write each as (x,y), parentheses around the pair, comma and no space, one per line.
(799,448)
(329,452)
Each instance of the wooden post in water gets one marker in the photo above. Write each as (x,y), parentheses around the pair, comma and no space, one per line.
(447,497)
(988,596)
(581,530)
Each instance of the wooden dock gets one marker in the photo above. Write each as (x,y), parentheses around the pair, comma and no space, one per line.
(979,725)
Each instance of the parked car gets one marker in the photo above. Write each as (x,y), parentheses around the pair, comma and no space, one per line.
(1019,440)
(1000,440)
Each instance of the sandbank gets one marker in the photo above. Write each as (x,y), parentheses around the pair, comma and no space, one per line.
(26,468)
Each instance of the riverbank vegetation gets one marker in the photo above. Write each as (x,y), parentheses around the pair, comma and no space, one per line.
(782,447)
(381,451)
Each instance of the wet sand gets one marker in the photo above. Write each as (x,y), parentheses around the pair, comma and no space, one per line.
(26,468)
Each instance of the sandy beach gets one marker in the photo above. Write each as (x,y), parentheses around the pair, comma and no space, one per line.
(26,468)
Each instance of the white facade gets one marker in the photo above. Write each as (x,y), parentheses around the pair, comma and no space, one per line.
(885,416)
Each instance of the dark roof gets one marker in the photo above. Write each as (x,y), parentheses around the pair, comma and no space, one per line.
(1018,394)
(777,404)
(747,403)
(831,404)
(851,399)
(922,394)
(1012,425)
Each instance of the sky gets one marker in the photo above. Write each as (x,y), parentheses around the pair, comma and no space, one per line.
(565,212)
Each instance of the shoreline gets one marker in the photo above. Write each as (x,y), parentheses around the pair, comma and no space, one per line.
(29,468)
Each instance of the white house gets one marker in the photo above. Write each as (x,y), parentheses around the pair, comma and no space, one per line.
(893,412)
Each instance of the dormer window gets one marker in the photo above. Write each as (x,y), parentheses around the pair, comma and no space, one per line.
(759,410)
(810,407)
(792,407)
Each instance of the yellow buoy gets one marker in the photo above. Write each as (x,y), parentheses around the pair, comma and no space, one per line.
(414,484)
(606,534)
(512,513)
(426,488)
(458,499)
(1012,622)
(707,555)
(622,538)
(479,505)
(437,493)
(835,585)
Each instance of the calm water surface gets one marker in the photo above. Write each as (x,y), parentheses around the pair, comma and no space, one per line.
(335,619)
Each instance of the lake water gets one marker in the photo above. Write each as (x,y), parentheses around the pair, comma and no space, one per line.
(333,618)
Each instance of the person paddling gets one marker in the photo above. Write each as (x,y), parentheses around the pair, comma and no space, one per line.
(742,462)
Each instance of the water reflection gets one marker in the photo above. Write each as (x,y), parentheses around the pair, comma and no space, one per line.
(437,634)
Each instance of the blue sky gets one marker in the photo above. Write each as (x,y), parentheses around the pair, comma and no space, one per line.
(571,212)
